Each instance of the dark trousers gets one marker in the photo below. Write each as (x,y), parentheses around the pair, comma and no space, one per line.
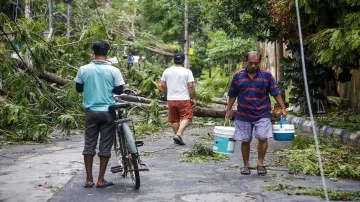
(130,65)
(95,123)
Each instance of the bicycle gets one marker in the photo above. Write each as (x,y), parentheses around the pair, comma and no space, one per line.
(125,146)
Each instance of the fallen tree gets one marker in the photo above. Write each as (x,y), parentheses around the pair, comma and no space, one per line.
(197,111)
(47,76)
(145,102)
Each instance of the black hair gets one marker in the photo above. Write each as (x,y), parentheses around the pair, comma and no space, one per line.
(101,48)
(253,53)
(179,58)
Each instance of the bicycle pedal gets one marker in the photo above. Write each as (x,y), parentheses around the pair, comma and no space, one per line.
(143,167)
(139,143)
(116,169)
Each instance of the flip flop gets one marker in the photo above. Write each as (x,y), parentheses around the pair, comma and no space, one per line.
(108,183)
(178,140)
(88,186)
(261,170)
(245,171)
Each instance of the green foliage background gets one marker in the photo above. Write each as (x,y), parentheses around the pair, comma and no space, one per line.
(221,32)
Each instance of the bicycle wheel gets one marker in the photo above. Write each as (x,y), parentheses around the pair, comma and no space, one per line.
(133,170)
(120,150)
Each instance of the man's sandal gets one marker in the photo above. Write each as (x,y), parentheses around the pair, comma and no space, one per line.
(107,184)
(85,185)
(178,140)
(245,171)
(261,170)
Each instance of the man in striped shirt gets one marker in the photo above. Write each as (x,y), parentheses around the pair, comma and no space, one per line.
(251,86)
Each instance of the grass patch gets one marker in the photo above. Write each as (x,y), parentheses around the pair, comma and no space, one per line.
(344,119)
(333,194)
(145,153)
(339,161)
(201,153)
(341,120)
(209,137)
(204,120)
(145,130)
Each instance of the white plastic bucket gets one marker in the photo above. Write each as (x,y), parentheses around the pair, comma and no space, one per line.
(283,132)
(223,140)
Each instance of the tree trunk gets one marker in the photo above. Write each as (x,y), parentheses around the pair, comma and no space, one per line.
(219,101)
(47,76)
(68,28)
(108,5)
(197,111)
(133,24)
(159,51)
(233,65)
(131,98)
(186,35)
(27,9)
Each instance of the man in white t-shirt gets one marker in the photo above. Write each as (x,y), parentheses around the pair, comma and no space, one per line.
(178,83)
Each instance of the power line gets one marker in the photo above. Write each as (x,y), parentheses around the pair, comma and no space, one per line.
(309,103)
(210,82)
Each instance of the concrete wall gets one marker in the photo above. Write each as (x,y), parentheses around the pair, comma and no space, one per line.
(351,90)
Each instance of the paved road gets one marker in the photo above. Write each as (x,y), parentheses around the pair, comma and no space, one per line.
(168,179)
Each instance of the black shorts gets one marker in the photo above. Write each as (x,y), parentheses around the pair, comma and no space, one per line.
(95,123)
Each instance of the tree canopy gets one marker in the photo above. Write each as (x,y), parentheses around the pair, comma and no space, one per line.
(219,30)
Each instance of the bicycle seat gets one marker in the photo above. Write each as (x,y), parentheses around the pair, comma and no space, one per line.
(118,106)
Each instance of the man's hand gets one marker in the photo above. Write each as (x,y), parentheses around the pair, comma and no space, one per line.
(283,112)
(229,114)
(279,100)
(193,102)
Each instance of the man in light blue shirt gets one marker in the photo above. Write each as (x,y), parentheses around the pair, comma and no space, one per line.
(98,80)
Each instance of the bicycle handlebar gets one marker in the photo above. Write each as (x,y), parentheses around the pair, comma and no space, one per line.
(125,120)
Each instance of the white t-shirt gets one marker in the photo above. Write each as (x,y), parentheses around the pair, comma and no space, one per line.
(176,79)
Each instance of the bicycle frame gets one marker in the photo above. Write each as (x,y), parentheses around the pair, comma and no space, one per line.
(127,143)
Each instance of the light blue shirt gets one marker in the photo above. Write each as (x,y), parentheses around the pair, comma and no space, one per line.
(99,79)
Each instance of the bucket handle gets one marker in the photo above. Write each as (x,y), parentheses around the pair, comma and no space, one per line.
(281,121)
(227,120)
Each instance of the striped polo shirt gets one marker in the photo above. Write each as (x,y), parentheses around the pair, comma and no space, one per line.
(253,94)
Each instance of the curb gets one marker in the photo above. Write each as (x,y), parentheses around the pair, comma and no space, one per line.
(347,137)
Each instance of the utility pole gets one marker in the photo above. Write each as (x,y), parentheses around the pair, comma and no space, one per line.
(108,5)
(27,9)
(281,67)
(186,36)
(68,2)
(51,19)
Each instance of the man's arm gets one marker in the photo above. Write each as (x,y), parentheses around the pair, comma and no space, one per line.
(274,91)
(79,87)
(279,100)
(118,82)
(192,93)
(232,93)
(191,90)
(163,86)
(230,103)
(79,83)
(118,90)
